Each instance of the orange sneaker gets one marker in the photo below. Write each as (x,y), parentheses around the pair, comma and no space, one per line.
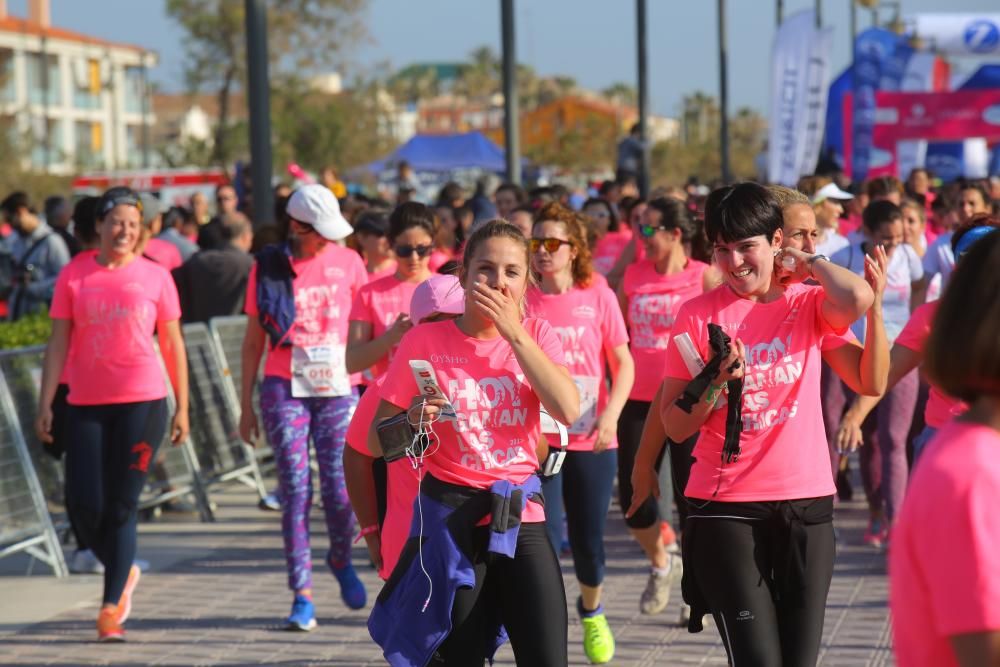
(125,601)
(108,627)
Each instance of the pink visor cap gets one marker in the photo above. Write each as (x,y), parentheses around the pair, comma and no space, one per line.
(438,294)
(315,205)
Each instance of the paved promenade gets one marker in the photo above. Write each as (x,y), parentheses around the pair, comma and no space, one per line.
(216,594)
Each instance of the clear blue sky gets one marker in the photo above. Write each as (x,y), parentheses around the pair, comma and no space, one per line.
(590,40)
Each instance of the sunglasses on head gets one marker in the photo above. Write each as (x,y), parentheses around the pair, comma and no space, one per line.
(127,200)
(551,245)
(408,250)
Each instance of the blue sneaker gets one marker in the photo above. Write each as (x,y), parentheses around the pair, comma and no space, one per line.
(352,590)
(303,616)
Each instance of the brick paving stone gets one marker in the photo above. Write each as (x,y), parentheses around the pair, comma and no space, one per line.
(226,608)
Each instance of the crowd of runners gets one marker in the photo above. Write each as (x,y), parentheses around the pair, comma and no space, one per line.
(479,374)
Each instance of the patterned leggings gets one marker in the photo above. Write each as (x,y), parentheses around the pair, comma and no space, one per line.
(290,422)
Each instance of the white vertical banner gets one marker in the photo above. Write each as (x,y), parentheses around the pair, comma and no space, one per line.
(800,80)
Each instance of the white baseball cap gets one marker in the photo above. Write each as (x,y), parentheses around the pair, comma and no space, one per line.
(315,205)
(830,191)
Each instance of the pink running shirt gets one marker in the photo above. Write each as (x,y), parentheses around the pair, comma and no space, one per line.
(403,483)
(944,564)
(163,253)
(325,287)
(379,303)
(114,313)
(378,275)
(609,248)
(82,256)
(653,301)
(940,408)
(498,412)
(590,325)
(784,453)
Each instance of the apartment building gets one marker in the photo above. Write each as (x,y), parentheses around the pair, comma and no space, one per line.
(72,101)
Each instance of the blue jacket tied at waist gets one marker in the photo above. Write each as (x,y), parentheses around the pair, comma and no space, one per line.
(275,296)
(412,616)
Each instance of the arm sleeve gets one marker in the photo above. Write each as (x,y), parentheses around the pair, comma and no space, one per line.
(547,339)
(914,334)
(62,298)
(816,295)
(250,307)
(932,262)
(168,305)
(361,307)
(834,341)
(398,385)
(613,329)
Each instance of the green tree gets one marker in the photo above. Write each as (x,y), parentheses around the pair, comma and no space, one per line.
(622,94)
(304,36)
(695,152)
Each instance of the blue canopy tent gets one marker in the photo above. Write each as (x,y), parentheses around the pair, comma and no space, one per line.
(445,153)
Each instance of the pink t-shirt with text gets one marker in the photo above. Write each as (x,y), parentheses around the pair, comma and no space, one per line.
(163,253)
(590,325)
(653,301)
(784,453)
(944,565)
(114,312)
(941,408)
(325,286)
(379,303)
(498,422)
(403,483)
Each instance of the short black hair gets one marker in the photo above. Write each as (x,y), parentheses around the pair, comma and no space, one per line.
(409,215)
(53,204)
(15,201)
(374,221)
(741,211)
(880,212)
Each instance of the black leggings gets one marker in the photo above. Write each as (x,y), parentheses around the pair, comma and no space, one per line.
(733,560)
(106,466)
(525,592)
(630,424)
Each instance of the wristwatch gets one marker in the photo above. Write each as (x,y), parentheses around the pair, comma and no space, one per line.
(813,259)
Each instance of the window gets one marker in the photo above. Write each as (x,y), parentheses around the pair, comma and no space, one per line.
(44,85)
(134,89)
(46,142)
(89,143)
(133,145)
(87,91)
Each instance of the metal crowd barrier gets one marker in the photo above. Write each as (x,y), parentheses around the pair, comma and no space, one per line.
(215,411)
(25,524)
(228,334)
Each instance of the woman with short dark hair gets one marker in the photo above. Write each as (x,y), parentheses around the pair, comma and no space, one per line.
(742,371)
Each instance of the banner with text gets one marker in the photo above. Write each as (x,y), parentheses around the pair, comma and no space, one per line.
(800,78)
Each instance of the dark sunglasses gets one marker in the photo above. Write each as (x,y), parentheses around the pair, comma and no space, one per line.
(551,245)
(408,250)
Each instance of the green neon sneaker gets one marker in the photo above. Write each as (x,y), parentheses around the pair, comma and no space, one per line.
(598,642)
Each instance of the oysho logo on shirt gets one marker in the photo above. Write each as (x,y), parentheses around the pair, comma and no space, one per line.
(132,287)
(333,272)
(586,312)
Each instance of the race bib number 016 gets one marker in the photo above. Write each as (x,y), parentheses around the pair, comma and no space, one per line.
(319,370)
